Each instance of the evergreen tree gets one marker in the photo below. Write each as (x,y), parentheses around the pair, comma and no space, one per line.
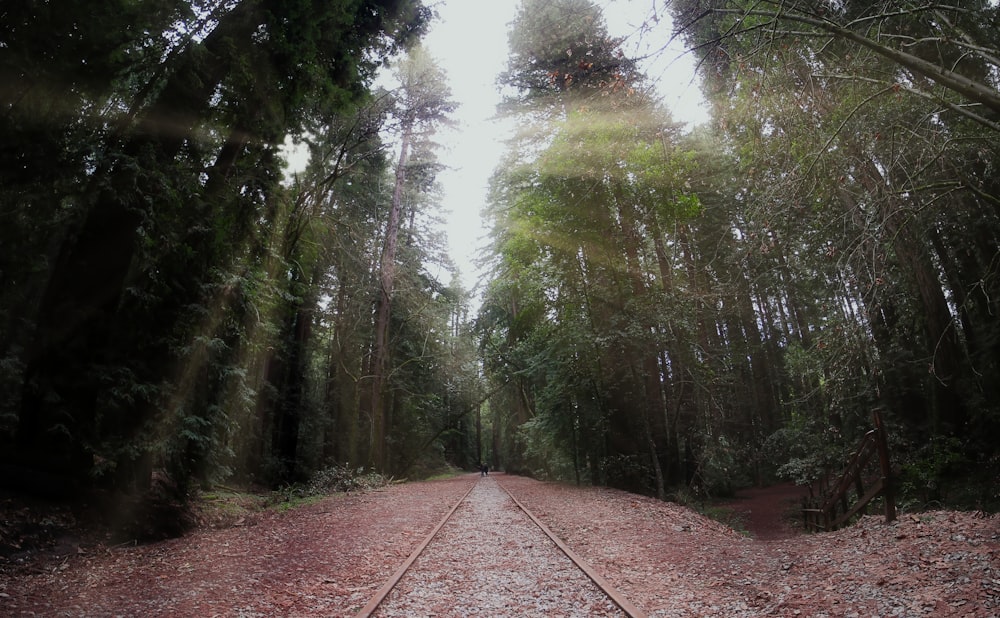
(170,131)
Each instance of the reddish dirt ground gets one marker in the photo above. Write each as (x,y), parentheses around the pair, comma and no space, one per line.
(768,513)
(329,558)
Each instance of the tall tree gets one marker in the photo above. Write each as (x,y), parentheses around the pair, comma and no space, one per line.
(850,121)
(188,111)
(423,104)
(582,213)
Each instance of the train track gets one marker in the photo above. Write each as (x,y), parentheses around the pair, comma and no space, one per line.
(615,596)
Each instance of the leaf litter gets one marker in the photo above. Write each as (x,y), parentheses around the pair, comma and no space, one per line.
(329,557)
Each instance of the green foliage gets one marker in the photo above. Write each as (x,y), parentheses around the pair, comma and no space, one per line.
(929,475)
(545,449)
(155,262)
(808,446)
(344,478)
(222,507)
(748,293)
(719,473)
(562,47)
(581,309)
(325,482)
(626,470)
(722,514)
(847,216)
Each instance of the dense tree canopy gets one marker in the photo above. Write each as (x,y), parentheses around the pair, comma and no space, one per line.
(167,301)
(669,309)
(720,306)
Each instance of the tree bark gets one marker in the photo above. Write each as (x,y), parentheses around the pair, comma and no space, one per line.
(379,457)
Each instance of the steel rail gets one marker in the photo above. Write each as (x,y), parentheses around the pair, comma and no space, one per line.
(386,588)
(612,593)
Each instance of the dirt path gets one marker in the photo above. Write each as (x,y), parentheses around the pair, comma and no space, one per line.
(769,513)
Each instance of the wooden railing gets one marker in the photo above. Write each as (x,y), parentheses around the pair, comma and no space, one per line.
(834,500)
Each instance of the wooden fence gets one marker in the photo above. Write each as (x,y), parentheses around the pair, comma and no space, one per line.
(835,499)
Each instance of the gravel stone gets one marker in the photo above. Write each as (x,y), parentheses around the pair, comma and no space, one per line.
(490,559)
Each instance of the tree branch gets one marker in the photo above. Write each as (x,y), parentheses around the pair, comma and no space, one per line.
(968,88)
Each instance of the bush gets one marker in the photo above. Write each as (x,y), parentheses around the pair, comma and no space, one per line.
(343,478)
(943,473)
(806,449)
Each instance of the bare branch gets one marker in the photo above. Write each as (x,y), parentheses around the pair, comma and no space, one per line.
(968,88)
(990,55)
(958,109)
(834,135)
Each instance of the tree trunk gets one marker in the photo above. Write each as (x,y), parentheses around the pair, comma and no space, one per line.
(379,454)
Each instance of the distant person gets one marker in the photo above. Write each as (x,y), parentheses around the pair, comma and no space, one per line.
(484,469)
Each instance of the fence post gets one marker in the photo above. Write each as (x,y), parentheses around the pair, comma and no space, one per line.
(885,466)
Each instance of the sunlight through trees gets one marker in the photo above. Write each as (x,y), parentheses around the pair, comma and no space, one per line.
(675,311)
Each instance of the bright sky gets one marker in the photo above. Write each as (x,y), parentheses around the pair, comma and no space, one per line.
(470,43)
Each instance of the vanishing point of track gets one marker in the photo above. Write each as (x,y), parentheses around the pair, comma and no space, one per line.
(605,587)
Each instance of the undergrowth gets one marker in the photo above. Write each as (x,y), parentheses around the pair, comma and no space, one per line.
(706,507)
(225,507)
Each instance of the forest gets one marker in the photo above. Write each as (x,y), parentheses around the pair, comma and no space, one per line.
(676,311)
